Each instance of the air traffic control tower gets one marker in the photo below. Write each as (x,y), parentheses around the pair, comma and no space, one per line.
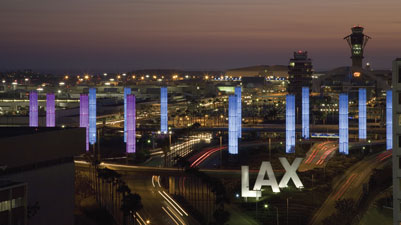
(357,42)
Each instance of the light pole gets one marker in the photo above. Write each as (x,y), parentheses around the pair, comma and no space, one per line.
(169,141)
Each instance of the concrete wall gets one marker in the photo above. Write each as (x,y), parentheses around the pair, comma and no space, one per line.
(53,188)
(26,146)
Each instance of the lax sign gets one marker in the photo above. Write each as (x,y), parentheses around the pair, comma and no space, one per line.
(266,168)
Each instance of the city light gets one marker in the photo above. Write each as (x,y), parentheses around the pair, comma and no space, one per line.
(131,124)
(232,125)
(389,120)
(305,112)
(290,124)
(343,124)
(127,91)
(84,116)
(33,109)
(163,109)
(50,110)
(238,91)
(362,113)
(92,116)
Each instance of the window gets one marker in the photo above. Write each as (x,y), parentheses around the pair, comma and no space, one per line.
(5,205)
(399,120)
(400,187)
(399,74)
(399,97)
(399,141)
(399,162)
(9,204)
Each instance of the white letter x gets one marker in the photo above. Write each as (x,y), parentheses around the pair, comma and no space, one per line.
(290,173)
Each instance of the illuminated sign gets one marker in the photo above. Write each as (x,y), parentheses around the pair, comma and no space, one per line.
(266,168)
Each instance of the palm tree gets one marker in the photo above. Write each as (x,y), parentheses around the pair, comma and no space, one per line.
(131,203)
(101,175)
(123,190)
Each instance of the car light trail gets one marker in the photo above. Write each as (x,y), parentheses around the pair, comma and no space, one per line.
(176,203)
(384,155)
(170,203)
(206,155)
(139,222)
(324,156)
(140,217)
(314,152)
(175,221)
(345,187)
(153,181)
(176,216)
(312,156)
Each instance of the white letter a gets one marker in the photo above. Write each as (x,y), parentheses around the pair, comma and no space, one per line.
(266,167)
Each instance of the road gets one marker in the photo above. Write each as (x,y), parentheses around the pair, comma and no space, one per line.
(158,206)
(318,155)
(350,184)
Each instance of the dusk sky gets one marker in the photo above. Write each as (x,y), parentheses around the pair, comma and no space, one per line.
(122,35)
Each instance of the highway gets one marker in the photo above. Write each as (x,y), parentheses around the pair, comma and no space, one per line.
(350,184)
(158,206)
(318,155)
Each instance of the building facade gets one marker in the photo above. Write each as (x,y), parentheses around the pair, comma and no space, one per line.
(300,72)
(397,141)
(13,203)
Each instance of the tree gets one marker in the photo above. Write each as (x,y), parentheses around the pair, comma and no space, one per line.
(345,212)
(131,203)
(345,208)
